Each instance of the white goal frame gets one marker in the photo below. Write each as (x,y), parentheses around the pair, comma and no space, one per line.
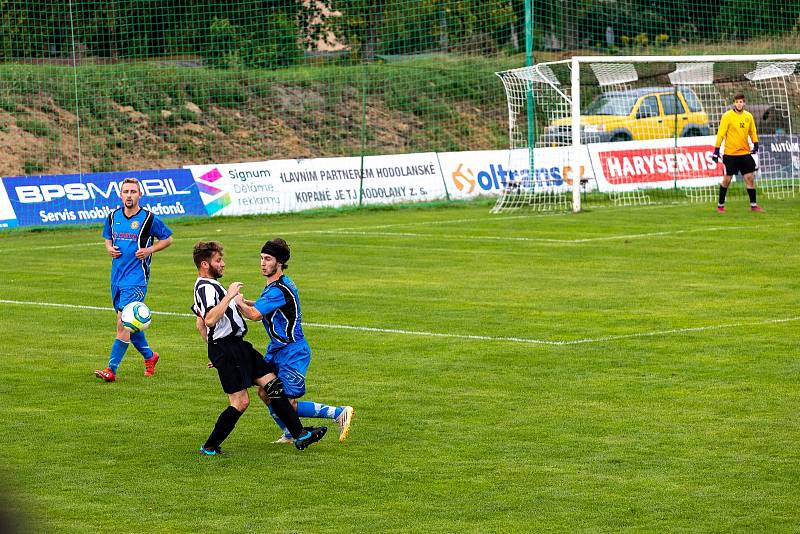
(574,99)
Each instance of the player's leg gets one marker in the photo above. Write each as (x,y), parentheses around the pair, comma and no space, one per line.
(282,397)
(121,341)
(226,422)
(748,172)
(303,437)
(229,359)
(726,181)
(285,437)
(343,415)
(296,366)
(139,340)
(273,394)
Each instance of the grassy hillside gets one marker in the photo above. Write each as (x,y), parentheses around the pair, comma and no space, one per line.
(173,112)
(164,114)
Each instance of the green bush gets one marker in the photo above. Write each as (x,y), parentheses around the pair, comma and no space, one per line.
(231,46)
(222,48)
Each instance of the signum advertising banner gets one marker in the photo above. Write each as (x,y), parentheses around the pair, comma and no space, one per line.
(280,186)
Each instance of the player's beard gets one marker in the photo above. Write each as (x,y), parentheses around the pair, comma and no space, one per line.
(214,272)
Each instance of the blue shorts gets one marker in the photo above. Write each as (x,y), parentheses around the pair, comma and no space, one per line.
(122,296)
(291,364)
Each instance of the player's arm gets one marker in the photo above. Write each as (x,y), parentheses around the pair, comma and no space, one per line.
(112,250)
(721,131)
(200,324)
(753,136)
(108,235)
(161,244)
(213,315)
(247,308)
(269,301)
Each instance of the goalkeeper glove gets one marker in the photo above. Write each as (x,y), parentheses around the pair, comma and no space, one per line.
(715,157)
(755,149)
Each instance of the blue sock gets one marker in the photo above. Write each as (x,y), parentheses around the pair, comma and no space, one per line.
(140,342)
(278,421)
(117,352)
(317,410)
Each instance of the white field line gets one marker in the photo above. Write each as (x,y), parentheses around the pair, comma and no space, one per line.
(98,243)
(356,231)
(530,341)
(544,239)
(493,218)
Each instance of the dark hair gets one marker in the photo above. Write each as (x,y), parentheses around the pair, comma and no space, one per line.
(204,250)
(278,249)
(131,181)
(738,96)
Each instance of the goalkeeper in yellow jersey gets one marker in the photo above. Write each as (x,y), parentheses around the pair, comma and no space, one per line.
(735,128)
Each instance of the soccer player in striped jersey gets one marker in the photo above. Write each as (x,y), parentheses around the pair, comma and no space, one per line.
(735,128)
(132,235)
(278,308)
(238,364)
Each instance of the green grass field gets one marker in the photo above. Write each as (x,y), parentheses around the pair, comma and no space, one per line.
(624,369)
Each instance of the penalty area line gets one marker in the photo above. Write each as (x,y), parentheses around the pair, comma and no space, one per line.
(530,341)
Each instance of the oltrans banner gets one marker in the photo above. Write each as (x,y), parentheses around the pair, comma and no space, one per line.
(280,186)
(89,198)
(488,172)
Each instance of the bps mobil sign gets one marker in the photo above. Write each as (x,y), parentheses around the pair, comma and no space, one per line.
(89,198)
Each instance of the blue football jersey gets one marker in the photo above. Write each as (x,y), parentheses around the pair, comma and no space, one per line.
(131,234)
(279,305)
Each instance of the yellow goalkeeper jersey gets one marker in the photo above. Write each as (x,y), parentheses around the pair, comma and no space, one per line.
(735,128)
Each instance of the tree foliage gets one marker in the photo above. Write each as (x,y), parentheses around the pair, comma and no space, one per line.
(274,33)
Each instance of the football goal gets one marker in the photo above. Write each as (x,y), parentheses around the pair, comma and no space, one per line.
(627,130)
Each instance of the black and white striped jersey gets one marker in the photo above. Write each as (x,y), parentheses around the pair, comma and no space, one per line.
(207,294)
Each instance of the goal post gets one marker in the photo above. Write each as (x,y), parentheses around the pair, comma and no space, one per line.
(644,126)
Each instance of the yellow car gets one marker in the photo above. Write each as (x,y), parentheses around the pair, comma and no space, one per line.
(633,115)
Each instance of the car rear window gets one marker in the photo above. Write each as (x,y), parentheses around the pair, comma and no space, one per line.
(612,104)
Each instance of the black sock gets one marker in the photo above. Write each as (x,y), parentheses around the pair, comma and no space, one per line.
(225,424)
(752,194)
(722,192)
(284,410)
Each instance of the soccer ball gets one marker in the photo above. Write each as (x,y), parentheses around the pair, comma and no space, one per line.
(135,317)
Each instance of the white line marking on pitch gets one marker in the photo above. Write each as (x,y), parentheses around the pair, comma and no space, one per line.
(543,239)
(358,231)
(456,336)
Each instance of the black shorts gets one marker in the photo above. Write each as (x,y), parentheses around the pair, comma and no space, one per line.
(237,363)
(739,164)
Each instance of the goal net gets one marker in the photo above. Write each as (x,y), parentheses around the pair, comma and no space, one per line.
(641,129)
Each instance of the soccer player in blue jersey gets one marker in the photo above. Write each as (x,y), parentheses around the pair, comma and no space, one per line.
(132,235)
(288,352)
